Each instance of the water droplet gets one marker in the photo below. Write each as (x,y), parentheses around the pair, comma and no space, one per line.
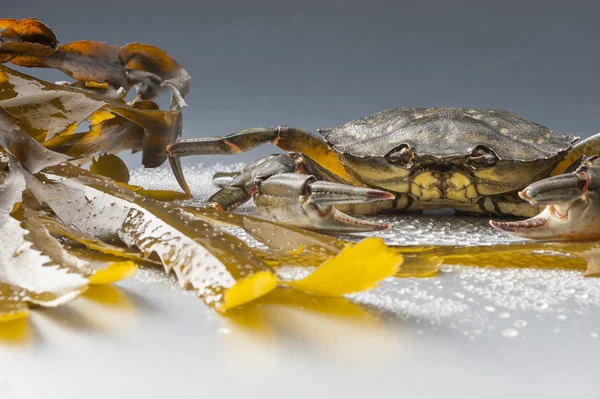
(594,335)
(520,323)
(224,330)
(490,309)
(510,333)
(504,315)
(561,317)
(581,295)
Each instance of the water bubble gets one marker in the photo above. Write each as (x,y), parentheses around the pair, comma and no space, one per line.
(594,335)
(561,317)
(490,309)
(510,333)
(504,315)
(581,295)
(520,323)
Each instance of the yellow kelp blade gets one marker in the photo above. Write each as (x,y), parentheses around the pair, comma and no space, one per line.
(248,289)
(114,272)
(419,265)
(12,303)
(549,255)
(356,268)
(159,195)
(106,135)
(111,166)
(105,268)
(281,238)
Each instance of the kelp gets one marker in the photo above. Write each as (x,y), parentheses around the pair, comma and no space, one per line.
(45,109)
(28,262)
(221,268)
(150,70)
(541,255)
(50,113)
(34,266)
(85,61)
(27,36)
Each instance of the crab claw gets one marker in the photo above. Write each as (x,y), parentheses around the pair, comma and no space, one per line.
(303,201)
(572,206)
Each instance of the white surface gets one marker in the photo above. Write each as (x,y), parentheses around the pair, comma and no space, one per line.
(468,333)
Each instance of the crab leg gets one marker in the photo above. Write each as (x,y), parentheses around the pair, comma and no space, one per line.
(285,137)
(587,147)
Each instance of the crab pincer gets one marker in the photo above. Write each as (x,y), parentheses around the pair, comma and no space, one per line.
(572,206)
(303,201)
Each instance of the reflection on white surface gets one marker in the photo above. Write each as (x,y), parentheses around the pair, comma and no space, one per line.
(477,332)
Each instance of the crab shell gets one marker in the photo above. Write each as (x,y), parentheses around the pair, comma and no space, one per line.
(440,153)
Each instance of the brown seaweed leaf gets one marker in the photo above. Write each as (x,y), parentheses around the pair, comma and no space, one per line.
(26,36)
(34,266)
(108,134)
(139,127)
(143,66)
(45,109)
(160,129)
(31,154)
(59,230)
(50,112)
(151,70)
(84,60)
(25,261)
(216,265)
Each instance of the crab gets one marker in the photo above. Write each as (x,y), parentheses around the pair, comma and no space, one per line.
(408,159)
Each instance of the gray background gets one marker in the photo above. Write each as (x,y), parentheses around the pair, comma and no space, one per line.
(321,63)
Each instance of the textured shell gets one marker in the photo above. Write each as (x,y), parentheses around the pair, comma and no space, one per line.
(446,133)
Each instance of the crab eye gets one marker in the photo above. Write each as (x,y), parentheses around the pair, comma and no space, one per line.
(482,157)
(401,156)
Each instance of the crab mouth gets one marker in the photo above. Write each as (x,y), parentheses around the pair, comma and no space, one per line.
(567,201)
